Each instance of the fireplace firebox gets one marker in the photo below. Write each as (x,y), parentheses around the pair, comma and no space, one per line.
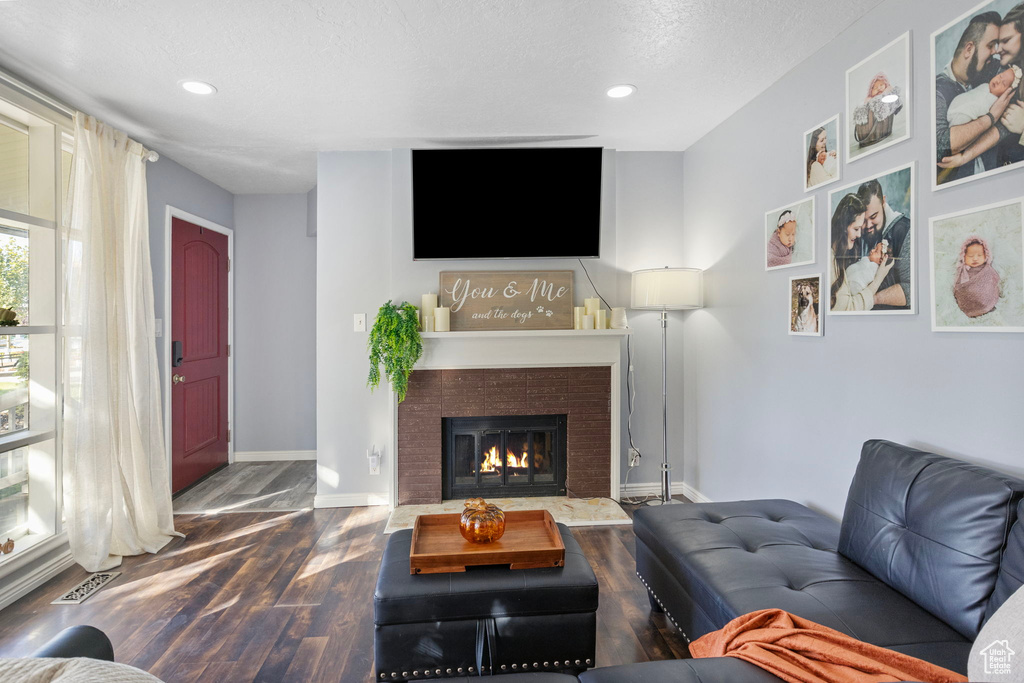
(522,455)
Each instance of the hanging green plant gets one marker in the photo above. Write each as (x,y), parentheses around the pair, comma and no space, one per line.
(394,343)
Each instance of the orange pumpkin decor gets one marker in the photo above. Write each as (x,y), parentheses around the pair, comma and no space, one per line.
(481,522)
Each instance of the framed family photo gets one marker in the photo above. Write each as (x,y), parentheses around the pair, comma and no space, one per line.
(821,154)
(978,94)
(878,100)
(871,267)
(805,317)
(977,269)
(789,235)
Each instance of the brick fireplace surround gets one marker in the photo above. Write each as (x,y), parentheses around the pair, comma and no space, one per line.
(581,393)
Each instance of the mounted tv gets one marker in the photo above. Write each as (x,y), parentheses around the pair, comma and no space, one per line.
(506,203)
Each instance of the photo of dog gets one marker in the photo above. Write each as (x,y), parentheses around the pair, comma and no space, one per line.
(804,306)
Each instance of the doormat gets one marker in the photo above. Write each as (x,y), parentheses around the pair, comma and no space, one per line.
(568,511)
(85,590)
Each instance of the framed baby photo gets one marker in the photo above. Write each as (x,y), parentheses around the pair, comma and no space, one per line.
(878,100)
(820,152)
(805,317)
(977,260)
(789,235)
(978,94)
(871,264)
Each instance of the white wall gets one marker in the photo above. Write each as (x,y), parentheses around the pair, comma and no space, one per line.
(275,325)
(782,416)
(353,265)
(364,257)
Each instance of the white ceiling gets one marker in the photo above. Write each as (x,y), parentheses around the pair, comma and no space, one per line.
(300,76)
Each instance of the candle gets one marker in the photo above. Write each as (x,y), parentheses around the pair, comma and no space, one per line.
(592,305)
(428,323)
(577,317)
(600,319)
(588,322)
(442,319)
(618,320)
(428,303)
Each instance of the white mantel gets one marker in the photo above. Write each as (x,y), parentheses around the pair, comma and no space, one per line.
(526,349)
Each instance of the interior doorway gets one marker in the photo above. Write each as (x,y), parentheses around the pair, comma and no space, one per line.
(198,390)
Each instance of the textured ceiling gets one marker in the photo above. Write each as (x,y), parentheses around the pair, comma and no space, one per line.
(300,76)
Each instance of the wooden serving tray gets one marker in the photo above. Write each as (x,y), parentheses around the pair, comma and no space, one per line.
(531,540)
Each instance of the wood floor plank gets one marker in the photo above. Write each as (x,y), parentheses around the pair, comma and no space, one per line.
(287,596)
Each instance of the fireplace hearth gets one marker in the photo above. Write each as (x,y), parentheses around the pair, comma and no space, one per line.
(520,455)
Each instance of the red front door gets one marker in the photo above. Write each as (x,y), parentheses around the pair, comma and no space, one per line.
(199,391)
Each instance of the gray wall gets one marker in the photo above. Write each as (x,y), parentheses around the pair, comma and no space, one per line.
(275,324)
(782,416)
(170,183)
(364,257)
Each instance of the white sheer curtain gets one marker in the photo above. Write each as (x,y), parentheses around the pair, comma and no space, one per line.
(116,492)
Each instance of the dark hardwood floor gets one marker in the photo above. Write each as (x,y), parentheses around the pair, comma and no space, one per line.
(287,596)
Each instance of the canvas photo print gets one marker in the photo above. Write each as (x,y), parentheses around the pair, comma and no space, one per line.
(789,235)
(804,305)
(871,257)
(978,93)
(977,260)
(821,154)
(878,100)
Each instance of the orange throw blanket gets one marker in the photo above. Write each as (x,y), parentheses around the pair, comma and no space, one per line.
(801,651)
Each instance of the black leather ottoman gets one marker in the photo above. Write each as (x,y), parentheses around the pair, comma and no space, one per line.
(492,619)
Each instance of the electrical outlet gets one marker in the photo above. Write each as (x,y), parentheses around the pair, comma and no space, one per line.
(634,457)
(373,457)
(359,322)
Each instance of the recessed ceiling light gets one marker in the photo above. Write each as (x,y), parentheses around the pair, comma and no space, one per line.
(888,99)
(624,90)
(198,87)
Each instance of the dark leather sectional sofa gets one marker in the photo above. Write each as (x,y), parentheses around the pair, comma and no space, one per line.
(928,548)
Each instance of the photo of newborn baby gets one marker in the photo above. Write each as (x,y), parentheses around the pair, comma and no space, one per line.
(978,269)
(976,103)
(789,235)
(878,100)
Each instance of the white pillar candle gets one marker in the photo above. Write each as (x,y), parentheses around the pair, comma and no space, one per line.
(442,319)
(618,319)
(428,302)
(588,322)
(428,323)
(592,305)
(577,317)
(601,319)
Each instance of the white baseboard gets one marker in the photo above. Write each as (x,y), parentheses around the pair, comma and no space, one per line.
(273,456)
(654,488)
(22,586)
(350,500)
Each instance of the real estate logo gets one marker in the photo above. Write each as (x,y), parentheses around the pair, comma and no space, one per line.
(997,657)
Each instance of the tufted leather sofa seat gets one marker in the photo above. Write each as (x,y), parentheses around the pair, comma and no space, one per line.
(927,548)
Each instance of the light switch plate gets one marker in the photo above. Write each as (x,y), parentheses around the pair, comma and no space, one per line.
(359,322)
(159,327)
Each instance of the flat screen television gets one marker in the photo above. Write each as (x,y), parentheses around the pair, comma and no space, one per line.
(506,203)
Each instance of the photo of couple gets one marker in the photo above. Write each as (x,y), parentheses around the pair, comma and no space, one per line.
(978,99)
(977,266)
(871,265)
(878,100)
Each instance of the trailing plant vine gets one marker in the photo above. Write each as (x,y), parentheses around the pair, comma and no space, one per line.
(394,343)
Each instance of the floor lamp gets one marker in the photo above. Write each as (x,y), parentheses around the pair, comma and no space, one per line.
(666,289)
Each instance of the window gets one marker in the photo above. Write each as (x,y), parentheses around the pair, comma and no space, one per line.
(35,159)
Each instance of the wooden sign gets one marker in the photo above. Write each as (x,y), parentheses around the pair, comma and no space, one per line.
(508,300)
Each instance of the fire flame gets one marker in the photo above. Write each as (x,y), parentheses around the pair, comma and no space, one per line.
(492,461)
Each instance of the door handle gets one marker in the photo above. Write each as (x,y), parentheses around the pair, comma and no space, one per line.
(177,379)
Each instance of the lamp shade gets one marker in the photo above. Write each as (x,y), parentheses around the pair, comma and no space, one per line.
(668,288)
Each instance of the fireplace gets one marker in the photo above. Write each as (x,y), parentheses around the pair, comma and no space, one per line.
(506,456)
